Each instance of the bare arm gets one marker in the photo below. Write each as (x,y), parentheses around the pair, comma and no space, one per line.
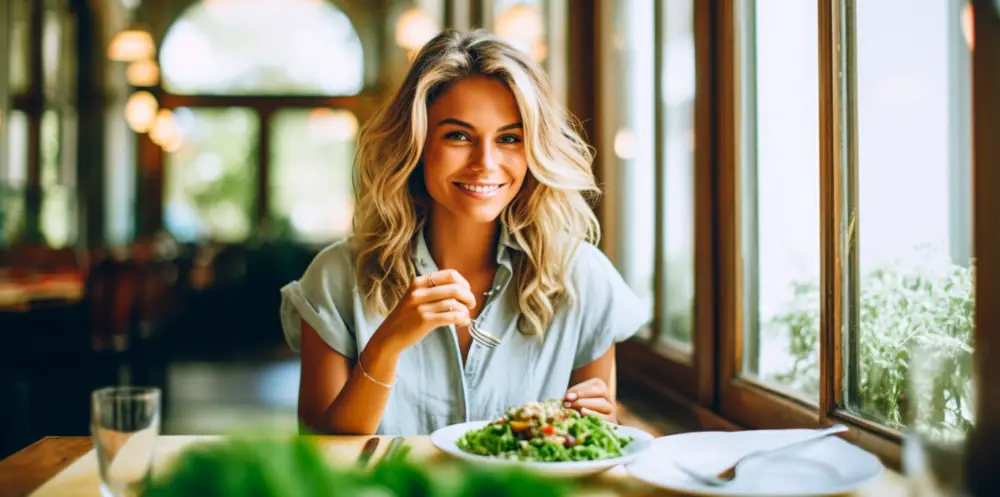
(334,395)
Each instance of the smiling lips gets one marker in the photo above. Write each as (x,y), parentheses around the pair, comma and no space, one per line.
(486,190)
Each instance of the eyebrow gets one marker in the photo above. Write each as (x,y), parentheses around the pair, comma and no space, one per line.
(459,122)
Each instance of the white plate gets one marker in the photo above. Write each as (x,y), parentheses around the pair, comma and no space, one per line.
(826,467)
(445,439)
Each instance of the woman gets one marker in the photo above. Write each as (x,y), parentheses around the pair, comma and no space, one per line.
(471,207)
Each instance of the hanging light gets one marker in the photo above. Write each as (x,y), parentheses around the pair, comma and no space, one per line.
(414,29)
(522,26)
(132,44)
(165,132)
(967,19)
(143,73)
(624,144)
(140,111)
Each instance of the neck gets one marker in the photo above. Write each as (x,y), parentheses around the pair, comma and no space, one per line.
(463,246)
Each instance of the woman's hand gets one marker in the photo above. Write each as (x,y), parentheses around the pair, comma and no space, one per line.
(433,300)
(591,397)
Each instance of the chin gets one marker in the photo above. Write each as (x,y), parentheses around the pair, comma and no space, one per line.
(460,210)
(480,216)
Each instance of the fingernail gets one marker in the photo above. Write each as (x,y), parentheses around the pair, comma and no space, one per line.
(571,396)
(567,404)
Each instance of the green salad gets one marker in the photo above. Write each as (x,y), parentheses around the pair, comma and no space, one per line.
(546,432)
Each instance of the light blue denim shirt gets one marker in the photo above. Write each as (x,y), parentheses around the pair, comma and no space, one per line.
(432,388)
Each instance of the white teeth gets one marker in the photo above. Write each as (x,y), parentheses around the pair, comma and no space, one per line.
(479,188)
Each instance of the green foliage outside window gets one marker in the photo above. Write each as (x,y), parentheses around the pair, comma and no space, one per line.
(902,310)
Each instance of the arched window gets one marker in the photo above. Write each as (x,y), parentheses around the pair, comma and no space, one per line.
(263,125)
(247,48)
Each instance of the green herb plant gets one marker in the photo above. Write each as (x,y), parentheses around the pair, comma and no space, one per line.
(915,347)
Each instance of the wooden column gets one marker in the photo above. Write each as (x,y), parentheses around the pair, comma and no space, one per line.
(583,69)
(90,103)
(984,444)
(35,106)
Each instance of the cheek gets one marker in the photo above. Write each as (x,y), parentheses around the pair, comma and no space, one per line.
(440,163)
(517,166)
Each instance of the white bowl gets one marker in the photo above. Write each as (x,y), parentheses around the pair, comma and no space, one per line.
(446,440)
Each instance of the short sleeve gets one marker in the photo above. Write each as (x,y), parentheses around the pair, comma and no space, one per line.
(322,298)
(611,311)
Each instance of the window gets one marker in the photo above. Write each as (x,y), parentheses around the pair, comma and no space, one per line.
(58,221)
(19,78)
(210,179)
(780,197)
(631,154)
(267,117)
(244,48)
(38,187)
(834,176)
(677,198)
(312,194)
(651,161)
(910,302)
(15,172)
(650,156)
(851,247)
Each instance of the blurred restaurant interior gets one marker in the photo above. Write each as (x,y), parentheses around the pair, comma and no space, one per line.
(793,187)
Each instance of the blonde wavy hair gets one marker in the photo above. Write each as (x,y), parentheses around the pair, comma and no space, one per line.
(549,216)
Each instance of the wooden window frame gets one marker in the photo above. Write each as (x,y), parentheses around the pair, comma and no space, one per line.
(645,361)
(744,400)
(984,446)
(733,402)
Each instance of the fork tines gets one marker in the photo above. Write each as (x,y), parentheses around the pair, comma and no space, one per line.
(484,339)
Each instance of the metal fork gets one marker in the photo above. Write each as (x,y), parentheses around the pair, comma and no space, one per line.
(485,339)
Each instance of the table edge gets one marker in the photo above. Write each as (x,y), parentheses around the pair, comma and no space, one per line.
(29,468)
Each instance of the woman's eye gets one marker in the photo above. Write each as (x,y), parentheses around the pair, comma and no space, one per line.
(456,135)
(510,139)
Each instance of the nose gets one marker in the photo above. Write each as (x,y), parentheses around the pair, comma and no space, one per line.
(487,158)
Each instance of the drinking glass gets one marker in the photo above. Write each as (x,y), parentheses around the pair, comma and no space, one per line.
(941,404)
(124,424)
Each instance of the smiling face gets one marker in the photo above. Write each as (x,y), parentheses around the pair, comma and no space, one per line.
(474,159)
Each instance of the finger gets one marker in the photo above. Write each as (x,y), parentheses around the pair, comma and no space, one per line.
(443,306)
(589,412)
(601,405)
(424,281)
(445,277)
(594,387)
(437,320)
(451,291)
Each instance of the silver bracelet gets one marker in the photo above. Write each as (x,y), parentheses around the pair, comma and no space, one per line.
(373,380)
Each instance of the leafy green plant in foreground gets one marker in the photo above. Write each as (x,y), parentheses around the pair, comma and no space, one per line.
(296,467)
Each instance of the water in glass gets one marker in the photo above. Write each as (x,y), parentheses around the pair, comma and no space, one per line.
(125,422)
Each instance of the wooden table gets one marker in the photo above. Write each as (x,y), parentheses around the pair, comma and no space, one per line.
(28,469)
